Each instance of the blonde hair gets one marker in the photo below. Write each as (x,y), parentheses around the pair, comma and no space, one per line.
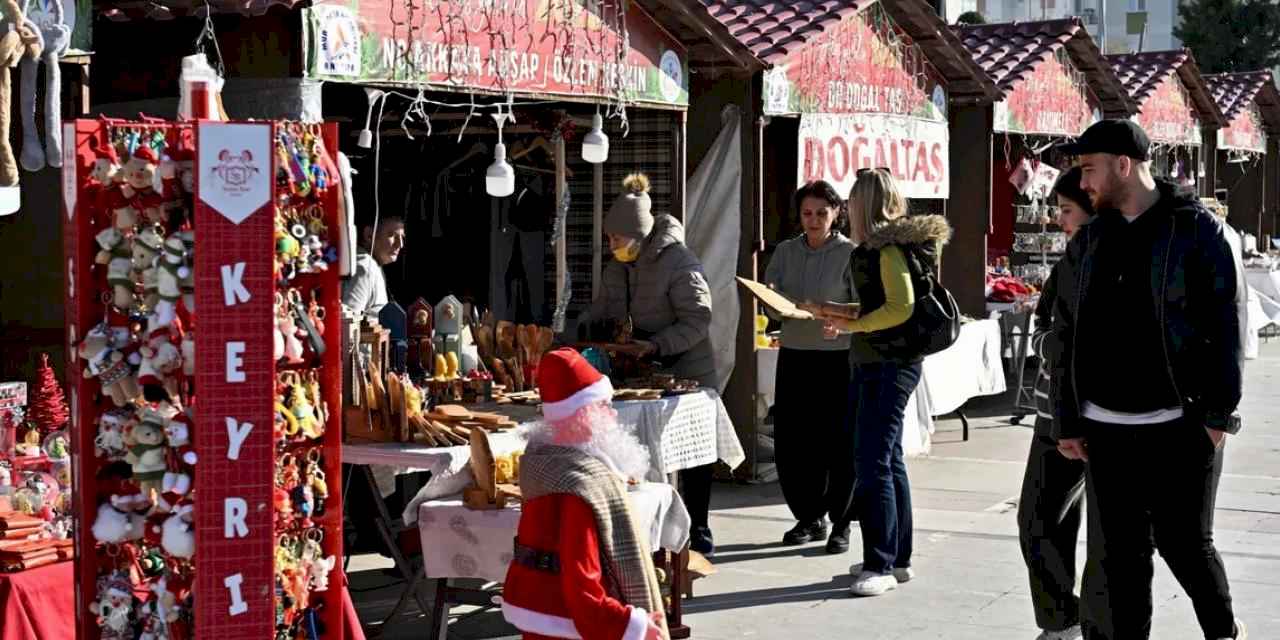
(874,200)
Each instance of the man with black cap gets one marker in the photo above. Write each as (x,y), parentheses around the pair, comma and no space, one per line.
(1151,375)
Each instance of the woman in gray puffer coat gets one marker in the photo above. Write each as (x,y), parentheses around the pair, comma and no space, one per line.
(657,281)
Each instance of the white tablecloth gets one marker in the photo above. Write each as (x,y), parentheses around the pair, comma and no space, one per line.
(458,542)
(969,368)
(1267,282)
(681,432)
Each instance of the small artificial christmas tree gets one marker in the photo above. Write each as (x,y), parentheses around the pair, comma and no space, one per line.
(47,410)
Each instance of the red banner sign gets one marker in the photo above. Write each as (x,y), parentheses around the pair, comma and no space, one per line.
(234,295)
(1052,100)
(835,147)
(567,47)
(864,64)
(1168,116)
(1245,132)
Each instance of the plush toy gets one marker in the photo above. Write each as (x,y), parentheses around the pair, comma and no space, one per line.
(112,365)
(20,39)
(161,362)
(146,247)
(111,244)
(182,456)
(114,607)
(57,39)
(172,271)
(121,518)
(147,452)
(179,537)
(187,272)
(140,175)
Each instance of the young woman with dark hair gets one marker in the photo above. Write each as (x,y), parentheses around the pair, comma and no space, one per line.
(1049,511)
(812,439)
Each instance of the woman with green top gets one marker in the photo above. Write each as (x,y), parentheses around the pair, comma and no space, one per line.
(894,256)
(813,441)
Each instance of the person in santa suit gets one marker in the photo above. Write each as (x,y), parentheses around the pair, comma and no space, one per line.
(581,568)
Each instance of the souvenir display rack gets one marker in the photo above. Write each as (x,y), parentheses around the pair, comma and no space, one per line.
(236,499)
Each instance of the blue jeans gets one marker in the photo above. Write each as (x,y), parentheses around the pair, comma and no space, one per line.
(878,397)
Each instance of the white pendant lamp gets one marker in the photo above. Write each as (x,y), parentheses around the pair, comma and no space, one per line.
(365,140)
(595,145)
(500,178)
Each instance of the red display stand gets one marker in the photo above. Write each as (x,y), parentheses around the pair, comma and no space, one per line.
(265,494)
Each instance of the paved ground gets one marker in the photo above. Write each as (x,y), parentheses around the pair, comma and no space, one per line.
(971,581)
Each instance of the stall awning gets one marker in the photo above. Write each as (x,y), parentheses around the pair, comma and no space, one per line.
(1052,77)
(773,31)
(1152,77)
(121,10)
(1236,93)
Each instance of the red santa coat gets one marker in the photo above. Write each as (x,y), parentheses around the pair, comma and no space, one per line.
(572,603)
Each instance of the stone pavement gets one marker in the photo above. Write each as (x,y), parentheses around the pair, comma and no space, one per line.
(971,583)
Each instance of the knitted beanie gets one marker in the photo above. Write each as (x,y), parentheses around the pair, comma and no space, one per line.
(631,214)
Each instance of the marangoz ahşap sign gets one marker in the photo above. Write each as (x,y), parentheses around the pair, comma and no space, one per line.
(557,47)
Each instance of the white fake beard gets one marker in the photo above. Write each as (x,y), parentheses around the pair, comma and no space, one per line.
(610,443)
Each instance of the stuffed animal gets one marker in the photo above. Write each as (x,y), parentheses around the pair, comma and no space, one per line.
(147,246)
(187,272)
(172,271)
(114,607)
(121,518)
(57,39)
(147,452)
(161,362)
(179,536)
(20,39)
(111,244)
(177,477)
(111,365)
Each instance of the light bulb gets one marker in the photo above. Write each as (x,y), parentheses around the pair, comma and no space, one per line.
(500,178)
(365,141)
(595,145)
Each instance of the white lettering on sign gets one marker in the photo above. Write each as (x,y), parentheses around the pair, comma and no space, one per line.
(236,434)
(238,605)
(235,362)
(235,510)
(233,289)
(835,147)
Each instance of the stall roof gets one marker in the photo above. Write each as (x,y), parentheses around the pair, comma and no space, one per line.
(1233,91)
(121,10)
(1008,52)
(1142,72)
(771,30)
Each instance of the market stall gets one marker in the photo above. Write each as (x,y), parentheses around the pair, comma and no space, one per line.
(827,91)
(1178,112)
(1054,84)
(1251,104)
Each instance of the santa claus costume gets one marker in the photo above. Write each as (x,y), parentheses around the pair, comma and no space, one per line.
(581,568)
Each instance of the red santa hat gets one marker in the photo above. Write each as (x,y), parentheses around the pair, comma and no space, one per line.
(567,383)
(146,154)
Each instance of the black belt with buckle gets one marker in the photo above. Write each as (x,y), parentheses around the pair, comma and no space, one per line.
(548,561)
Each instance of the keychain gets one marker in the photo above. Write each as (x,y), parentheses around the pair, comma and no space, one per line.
(289,331)
(317,399)
(318,566)
(308,327)
(316,479)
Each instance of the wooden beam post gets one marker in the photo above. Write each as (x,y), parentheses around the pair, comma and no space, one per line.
(680,180)
(1271,191)
(969,207)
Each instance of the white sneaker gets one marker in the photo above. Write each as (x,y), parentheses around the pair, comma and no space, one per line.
(1070,633)
(902,575)
(1241,632)
(869,584)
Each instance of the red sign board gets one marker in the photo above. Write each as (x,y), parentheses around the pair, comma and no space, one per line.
(1051,100)
(864,64)
(1245,132)
(565,47)
(1168,116)
(234,295)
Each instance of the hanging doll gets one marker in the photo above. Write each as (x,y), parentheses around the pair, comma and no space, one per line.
(18,38)
(147,451)
(182,456)
(57,39)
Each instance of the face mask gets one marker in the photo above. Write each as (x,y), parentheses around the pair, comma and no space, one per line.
(628,253)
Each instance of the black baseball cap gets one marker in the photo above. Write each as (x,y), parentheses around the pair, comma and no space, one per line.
(1117,137)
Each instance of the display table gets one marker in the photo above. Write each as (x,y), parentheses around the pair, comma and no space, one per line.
(458,542)
(1266,281)
(969,368)
(38,604)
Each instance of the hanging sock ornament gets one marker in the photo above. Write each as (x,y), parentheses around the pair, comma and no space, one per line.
(48,409)
(500,178)
(18,39)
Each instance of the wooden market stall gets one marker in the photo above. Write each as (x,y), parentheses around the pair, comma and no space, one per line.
(804,80)
(1054,83)
(1248,167)
(1178,113)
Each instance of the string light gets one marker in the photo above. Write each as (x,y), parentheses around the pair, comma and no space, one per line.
(595,145)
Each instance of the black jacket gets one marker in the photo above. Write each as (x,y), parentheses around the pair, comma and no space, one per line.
(920,238)
(1193,283)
